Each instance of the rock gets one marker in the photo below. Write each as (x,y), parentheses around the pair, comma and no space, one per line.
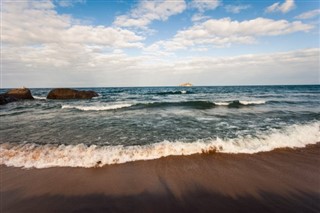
(15,95)
(5,98)
(20,93)
(65,93)
(186,85)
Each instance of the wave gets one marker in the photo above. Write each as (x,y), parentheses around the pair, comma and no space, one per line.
(96,108)
(240,103)
(40,97)
(44,156)
(295,102)
(197,104)
(173,92)
(185,104)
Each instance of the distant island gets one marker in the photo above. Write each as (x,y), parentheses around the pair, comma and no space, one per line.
(186,85)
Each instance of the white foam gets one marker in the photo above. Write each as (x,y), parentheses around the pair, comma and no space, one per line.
(39,97)
(43,156)
(96,108)
(221,103)
(183,92)
(241,102)
(252,102)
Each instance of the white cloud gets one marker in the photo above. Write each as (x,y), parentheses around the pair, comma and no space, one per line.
(203,5)
(148,11)
(223,32)
(41,4)
(42,48)
(309,14)
(236,8)
(46,68)
(37,23)
(69,3)
(41,44)
(284,7)
(199,17)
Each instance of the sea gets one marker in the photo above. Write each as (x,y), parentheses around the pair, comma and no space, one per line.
(126,124)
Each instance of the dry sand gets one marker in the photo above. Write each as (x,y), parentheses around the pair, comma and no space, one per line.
(284,180)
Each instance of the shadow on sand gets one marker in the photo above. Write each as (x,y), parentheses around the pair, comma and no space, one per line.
(196,201)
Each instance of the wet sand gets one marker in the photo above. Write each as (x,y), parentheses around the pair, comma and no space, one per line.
(284,180)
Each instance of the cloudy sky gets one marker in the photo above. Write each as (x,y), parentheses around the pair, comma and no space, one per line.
(106,43)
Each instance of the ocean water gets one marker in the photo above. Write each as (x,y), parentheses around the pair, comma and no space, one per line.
(129,124)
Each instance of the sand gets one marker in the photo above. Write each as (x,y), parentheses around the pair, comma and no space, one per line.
(286,180)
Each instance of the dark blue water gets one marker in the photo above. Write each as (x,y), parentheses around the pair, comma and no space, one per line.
(149,115)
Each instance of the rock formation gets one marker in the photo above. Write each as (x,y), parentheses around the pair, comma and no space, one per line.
(20,93)
(15,95)
(65,93)
(186,85)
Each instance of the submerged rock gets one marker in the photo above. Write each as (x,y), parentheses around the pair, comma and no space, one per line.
(65,93)
(20,93)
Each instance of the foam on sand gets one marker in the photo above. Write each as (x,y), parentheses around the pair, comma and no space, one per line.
(43,156)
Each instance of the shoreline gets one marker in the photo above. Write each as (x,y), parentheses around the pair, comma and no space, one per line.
(283,180)
(31,155)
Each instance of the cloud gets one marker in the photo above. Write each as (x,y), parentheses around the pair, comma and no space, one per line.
(41,44)
(69,3)
(309,15)
(199,17)
(46,68)
(148,11)
(294,67)
(223,32)
(42,48)
(202,5)
(37,23)
(284,7)
(236,8)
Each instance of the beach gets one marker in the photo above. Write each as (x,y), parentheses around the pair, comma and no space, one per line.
(163,149)
(283,180)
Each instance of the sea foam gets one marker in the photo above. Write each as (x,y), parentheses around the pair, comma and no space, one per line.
(252,102)
(40,97)
(96,108)
(257,102)
(188,104)
(43,156)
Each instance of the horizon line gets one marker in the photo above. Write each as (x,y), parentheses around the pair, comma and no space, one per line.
(242,85)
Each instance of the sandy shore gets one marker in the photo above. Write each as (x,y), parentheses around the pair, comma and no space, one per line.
(279,181)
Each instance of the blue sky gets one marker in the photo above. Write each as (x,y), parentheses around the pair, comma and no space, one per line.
(91,43)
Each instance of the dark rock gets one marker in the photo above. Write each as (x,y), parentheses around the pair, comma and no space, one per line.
(5,98)
(65,93)
(15,95)
(20,93)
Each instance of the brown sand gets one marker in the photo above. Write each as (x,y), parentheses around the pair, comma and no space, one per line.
(284,180)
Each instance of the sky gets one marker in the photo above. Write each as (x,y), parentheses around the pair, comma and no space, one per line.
(114,43)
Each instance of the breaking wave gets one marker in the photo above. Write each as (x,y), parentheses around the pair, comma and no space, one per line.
(173,92)
(40,97)
(239,103)
(44,156)
(185,104)
(96,108)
